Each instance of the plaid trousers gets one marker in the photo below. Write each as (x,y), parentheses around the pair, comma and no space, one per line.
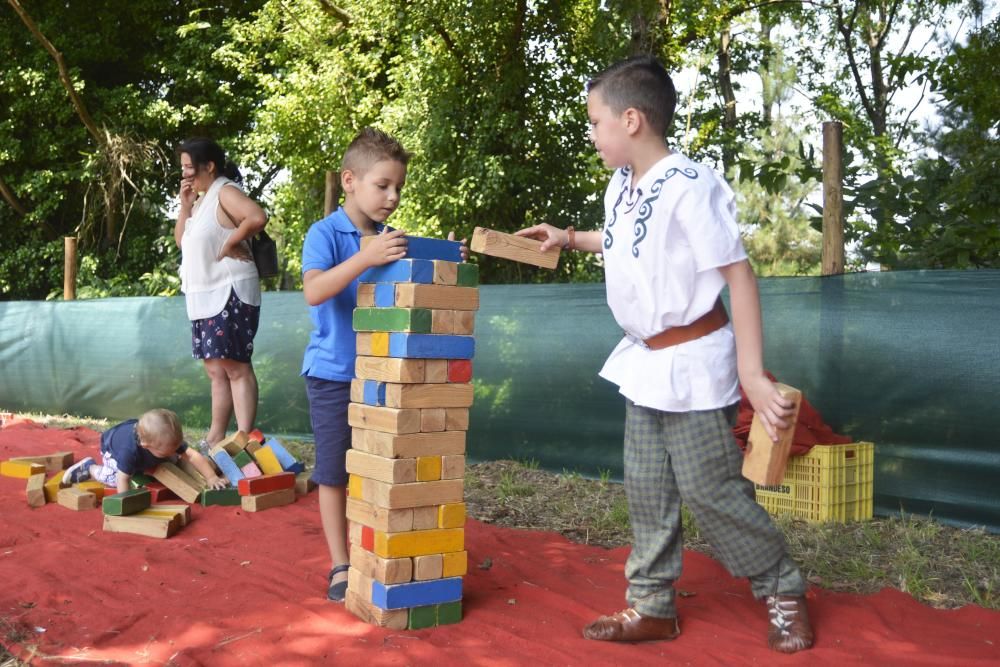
(692,457)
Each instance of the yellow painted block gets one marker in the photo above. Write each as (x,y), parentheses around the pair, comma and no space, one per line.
(21,469)
(380,344)
(95,487)
(428,468)
(419,542)
(355,486)
(267,461)
(52,486)
(455,564)
(451,515)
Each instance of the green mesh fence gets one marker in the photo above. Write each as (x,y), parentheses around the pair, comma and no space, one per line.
(908,360)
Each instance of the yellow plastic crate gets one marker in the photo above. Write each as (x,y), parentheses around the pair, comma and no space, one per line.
(830,483)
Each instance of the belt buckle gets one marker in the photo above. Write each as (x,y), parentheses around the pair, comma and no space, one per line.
(635,339)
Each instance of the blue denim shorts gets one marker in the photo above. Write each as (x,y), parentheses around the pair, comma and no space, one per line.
(328,401)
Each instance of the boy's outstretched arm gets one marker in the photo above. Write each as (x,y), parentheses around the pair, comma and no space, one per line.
(122,482)
(318,286)
(768,403)
(202,465)
(553,237)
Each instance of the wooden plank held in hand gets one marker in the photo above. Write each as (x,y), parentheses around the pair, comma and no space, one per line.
(765,460)
(518,248)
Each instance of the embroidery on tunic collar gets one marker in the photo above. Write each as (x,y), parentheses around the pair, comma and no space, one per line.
(630,202)
(646,210)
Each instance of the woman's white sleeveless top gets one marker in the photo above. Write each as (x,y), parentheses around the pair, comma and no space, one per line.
(206,280)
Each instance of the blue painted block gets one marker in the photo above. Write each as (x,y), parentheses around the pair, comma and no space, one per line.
(228,466)
(288,462)
(374,392)
(385,295)
(400,271)
(418,247)
(431,346)
(416,593)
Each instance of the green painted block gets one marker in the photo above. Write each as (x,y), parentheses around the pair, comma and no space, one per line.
(449,612)
(416,320)
(468,275)
(243,458)
(227,496)
(127,502)
(140,480)
(422,617)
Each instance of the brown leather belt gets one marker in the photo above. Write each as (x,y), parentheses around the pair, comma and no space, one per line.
(711,321)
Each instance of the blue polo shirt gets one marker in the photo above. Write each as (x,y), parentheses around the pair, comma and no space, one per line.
(331,349)
(121,442)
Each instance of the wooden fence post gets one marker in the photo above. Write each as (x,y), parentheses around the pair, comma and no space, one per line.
(833,199)
(69,268)
(332,198)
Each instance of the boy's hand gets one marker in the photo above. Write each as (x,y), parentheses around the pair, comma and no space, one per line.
(216,482)
(386,247)
(463,249)
(768,403)
(551,237)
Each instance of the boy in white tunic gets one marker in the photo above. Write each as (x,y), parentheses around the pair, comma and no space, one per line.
(671,244)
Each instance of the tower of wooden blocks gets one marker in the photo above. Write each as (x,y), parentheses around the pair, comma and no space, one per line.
(409,412)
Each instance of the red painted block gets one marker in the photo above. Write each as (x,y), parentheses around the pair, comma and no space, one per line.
(459,370)
(160,493)
(368,538)
(265,483)
(256,435)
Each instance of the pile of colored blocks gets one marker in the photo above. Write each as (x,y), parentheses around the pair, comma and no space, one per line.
(410,413)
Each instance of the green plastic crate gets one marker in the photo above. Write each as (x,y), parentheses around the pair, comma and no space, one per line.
(830,483)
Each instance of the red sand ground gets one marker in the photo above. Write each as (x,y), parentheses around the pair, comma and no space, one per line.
(249,589)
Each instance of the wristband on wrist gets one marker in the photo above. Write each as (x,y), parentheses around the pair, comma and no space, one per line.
(570,238)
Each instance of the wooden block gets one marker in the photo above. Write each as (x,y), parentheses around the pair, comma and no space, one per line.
(420,247)
(443,321)
(379,518)
(303,483)
(250,471)
(445,273)
(396,619)
(385,295)
(127,502)
(452,467)
(180,510)
(360,584)
(417,494)
(374,343)
(435,370)
(393,471)
(468,275)
(445,297)
(454,564)
(159,493)
(34,490)
(267,483)
(76,499)
(410,445)
(449,612)
(367,538)
(387,369)
(765,460)
(178,481)
(517,248)
(227,497)
(355,486)
(255,435)
(434,615)
(242,458)
(388,420)
(416,594)
(228,467)
(354,532)
(456,419)
(52,486)
(234,444)
(267,461)
(194,473)
(427,395)
(288,462)
(52,462)
(417,320)
(386,570)
(451,515)
(465,322)
(366,295)
(21,469)
(95,487)
(431,346)
(407,270)
(433,420)
(265,501)
(427,567)
(426,518)
(150,526)
(253,445)
(459,370)
(428,468)
(418,542)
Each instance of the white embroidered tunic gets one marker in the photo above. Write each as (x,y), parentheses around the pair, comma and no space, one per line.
(663,243)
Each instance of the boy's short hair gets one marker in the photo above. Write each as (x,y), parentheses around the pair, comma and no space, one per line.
(369,147)
(639,83)
(161,427)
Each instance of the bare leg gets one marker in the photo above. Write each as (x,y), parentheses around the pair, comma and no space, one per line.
(222,399)
(243,387)
(333,514)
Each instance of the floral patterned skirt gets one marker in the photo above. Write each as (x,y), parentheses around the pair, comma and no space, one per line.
(228,335)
